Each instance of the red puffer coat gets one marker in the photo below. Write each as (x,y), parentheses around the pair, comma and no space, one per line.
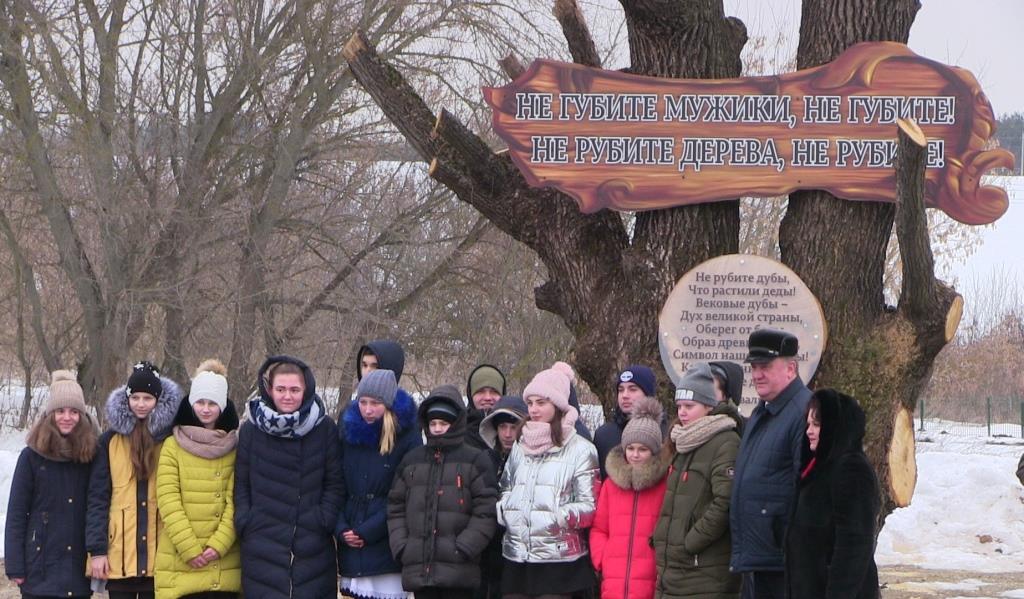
(627,511)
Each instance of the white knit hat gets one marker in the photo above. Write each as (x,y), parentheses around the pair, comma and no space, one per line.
(210,383)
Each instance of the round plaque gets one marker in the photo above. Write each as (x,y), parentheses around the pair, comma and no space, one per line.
(715,306)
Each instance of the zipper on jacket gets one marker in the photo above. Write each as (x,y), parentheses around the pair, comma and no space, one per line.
(42,541)
(124,541)
(430,515)
(629,548)
(672,506)
(291,558)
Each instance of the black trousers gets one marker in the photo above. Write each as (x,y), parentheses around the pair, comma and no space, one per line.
(130,595)
(764,585)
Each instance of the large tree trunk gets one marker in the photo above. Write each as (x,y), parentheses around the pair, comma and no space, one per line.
(609,288)
(880,355)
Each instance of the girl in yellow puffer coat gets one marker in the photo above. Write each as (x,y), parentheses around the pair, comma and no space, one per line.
(198,554)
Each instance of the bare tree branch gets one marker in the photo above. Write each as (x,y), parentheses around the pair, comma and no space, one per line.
(577,34)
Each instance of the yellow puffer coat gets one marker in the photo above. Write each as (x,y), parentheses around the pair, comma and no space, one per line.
(195,499)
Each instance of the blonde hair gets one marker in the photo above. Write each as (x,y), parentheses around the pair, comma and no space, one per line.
(388,432)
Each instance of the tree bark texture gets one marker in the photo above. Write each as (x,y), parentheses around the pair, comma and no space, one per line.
(608,286)
(880,355)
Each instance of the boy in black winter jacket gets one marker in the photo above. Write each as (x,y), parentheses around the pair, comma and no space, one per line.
(441,508)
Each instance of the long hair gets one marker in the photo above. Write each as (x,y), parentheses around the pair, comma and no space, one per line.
(143,451)
(388,432)
(78,446)
(556,429)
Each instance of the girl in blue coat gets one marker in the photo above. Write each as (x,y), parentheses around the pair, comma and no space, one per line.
(44,542)
(376,432)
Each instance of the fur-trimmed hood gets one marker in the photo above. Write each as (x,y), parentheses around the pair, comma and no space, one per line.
(358,432)
(512,405)
(842,427)
(121,420)
(639,477)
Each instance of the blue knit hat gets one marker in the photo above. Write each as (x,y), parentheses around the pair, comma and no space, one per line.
(640,375)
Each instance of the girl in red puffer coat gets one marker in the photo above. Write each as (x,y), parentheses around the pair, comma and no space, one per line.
(628,507)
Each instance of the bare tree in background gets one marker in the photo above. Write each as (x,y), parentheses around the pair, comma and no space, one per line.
(881,355)
(201,180)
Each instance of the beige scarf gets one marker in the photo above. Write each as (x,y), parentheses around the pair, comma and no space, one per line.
(205,443)
(697,433)
(535,437)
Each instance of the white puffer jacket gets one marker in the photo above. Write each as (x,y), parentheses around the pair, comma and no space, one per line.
(547,501)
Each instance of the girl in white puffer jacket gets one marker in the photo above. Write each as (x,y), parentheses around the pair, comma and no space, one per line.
(548,495)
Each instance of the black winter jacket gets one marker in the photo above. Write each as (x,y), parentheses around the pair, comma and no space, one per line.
(441,512)
(44,542)
(474,439)
(368,477)
(608,436)
(830,543)
(764,488)
(287,494)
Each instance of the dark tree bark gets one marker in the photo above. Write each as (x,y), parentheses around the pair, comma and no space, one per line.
(608,288)
(880,355)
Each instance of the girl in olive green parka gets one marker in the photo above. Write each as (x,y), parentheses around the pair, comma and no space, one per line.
(691,540)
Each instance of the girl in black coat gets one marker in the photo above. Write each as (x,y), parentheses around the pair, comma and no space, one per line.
(441,505)
(830,542)
(44,542)
(287,487)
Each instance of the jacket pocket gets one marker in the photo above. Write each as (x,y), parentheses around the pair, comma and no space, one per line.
(767,522)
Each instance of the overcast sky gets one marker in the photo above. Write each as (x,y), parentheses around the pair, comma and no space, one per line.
(985,37)
(982,36)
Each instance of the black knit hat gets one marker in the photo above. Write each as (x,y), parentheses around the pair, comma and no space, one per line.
(145,378)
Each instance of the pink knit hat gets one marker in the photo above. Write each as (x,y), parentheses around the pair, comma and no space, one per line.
(553,384)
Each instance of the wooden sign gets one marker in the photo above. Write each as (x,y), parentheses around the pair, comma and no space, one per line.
(621,141)
(716,305)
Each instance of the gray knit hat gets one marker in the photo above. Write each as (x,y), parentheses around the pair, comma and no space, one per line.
(380,385)
(644,424)
(697,384)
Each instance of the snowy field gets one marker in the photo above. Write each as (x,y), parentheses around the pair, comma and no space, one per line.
(968,508)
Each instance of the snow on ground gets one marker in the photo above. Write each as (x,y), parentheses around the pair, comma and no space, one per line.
(968,508)
(11,444)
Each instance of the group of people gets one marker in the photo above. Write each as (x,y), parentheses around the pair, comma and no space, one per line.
(494,495)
